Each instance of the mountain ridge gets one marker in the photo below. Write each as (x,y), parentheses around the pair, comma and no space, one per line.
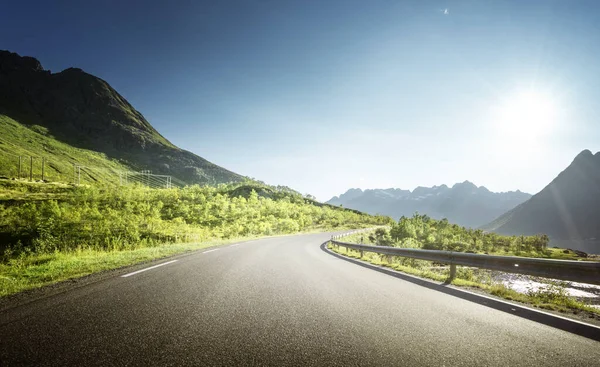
(85,112)
(568,208)
(464,203)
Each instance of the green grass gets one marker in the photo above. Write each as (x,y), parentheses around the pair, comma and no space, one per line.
(38,270)
(562,254)
(20,140)
(553,299)
(24,191)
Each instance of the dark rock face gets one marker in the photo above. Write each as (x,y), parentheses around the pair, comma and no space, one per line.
(12,62)
(85,111)
(464,203)
(567,209)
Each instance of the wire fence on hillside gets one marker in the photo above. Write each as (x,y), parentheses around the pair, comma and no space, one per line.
(36,168)
(146,178)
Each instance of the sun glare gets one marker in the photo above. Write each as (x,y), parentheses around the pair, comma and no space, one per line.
(527,114)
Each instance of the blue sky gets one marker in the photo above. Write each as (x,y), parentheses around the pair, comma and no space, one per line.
(327,95)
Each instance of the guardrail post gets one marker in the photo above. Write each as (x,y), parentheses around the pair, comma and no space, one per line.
(361,254)
(452,273)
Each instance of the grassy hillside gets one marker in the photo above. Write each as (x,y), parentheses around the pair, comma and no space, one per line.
(19,140)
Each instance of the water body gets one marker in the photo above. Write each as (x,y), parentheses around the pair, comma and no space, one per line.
(589,293)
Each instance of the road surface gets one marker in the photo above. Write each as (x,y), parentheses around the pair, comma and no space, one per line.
(277,301)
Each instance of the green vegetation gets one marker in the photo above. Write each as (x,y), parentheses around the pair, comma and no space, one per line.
(19,140)
(34,270)
(421,231)
(553,297)
(55,232)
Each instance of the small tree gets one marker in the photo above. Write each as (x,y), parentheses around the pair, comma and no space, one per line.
(382,237)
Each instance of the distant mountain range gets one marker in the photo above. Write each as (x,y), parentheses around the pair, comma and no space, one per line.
(567,210)
(83,111)
(464,203)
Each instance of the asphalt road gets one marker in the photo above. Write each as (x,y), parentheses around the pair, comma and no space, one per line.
(278,301)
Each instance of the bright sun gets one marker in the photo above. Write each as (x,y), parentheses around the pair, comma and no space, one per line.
(526,114)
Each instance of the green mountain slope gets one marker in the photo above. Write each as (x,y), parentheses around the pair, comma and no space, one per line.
(83,111)
(19,140)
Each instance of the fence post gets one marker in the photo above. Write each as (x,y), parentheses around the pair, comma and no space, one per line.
(19,167)
(43,168)
(78,175)
(30,168)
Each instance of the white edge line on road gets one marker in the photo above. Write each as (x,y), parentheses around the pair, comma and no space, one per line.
(206,252)
(150,268)
(235,244)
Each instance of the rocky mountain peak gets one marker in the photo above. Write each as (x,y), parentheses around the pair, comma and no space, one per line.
(13,62)
(465,185)
(464,203)
(585,154)
(84,111)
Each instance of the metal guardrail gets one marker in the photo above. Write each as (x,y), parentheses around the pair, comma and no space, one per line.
(577,271)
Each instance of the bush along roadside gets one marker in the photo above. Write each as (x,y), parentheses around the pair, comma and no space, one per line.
(69,232)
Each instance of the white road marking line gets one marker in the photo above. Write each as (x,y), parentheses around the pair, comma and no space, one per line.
(206,252)
(152,267)
(235,244)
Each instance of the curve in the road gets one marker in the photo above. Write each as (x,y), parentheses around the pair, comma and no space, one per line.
(280,302)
